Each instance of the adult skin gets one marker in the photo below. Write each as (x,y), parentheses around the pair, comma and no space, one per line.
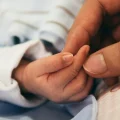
(98,17)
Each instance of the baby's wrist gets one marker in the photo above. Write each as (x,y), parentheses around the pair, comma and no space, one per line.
(18,73)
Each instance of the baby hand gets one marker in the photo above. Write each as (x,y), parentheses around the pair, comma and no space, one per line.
(59,78)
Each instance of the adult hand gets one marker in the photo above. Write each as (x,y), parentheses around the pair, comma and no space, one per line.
(98,17)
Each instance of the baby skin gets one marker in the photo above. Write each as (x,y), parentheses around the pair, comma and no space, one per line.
(59,78)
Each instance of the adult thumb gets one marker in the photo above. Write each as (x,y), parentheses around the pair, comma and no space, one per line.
(104,63)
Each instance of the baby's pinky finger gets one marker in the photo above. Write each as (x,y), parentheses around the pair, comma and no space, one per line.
(84,93)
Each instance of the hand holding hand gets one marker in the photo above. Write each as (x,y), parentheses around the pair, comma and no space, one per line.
(59,78)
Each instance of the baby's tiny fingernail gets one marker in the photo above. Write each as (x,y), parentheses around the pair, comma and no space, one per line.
(68,57)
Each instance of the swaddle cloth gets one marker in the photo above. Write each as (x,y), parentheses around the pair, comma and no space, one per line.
(84,110)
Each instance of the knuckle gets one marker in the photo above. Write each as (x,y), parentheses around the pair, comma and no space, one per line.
(75,71)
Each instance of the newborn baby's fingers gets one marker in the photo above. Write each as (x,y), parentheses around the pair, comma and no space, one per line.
(77,85)
(81,95)
(50,64)
(64,76)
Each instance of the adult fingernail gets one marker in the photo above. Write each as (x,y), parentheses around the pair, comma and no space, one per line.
(95,64)
(68,57)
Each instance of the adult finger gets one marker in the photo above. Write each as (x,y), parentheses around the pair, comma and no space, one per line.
(105,62)
(88,22)
(85,26)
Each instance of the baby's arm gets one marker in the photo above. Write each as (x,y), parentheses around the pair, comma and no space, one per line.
(59,78)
